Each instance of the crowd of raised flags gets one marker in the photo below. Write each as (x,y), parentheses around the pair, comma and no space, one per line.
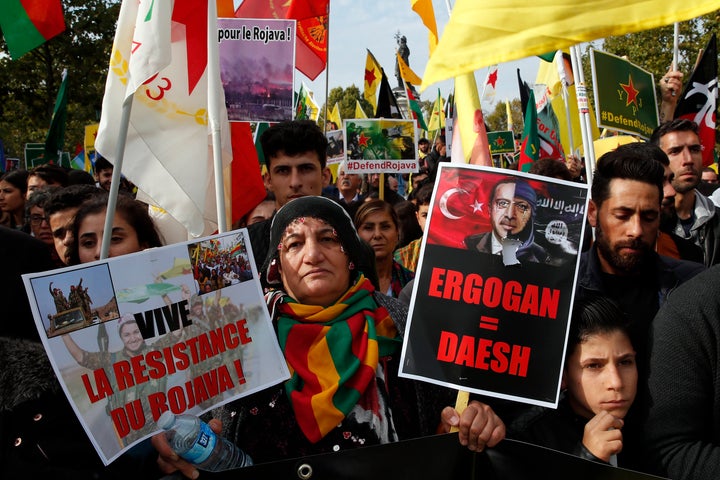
(151,62)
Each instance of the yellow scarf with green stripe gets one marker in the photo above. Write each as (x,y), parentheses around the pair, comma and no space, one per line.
(332,353)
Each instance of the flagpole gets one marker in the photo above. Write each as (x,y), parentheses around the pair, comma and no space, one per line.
(117,172)
(584,112)
(327,66)
(214,98)
(676,45)
(560,65)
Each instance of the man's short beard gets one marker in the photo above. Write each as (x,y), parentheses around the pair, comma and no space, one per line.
(685,187)
(627,264)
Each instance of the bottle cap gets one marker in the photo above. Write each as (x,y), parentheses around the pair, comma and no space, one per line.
(166,420)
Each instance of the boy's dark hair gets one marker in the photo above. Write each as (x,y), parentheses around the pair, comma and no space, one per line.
(551,167)
(677,125)
(638,161)
(80,177)
(102,164)
(69,197)
(424,194)
(592,315)
(50,174)
(294,138)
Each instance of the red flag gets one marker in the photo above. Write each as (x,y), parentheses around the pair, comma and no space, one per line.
(247,185)
(698,101)
(302,9)
(26,25)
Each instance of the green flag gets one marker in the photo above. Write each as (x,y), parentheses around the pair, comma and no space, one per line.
(530,148)
(55,140)
(624,95)
(501,142)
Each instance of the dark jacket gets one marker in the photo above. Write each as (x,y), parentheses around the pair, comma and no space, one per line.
(263,424)
(705,231)
(40,435)
(659,280)
(682,427)
(668,272)
(19,253)
(560,429)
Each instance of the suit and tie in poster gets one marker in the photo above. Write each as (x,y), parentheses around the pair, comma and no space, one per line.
(494,288)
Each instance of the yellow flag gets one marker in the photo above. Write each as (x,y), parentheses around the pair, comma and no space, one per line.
(373,76)
(334,116)
(437,116)
(359,112)
(508,112)
(467,101)
(89,144)
(406,72)
(478,36)
(549,75)
(424,8)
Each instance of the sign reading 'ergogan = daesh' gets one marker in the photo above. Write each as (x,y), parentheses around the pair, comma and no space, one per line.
(624,95)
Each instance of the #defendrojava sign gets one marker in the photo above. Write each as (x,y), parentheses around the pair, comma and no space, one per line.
(624,95)
(494,288)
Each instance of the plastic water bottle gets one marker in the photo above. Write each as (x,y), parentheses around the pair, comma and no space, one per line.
(194,440)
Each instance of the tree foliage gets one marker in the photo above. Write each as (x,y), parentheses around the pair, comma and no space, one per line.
(652,49)
(497,119)
(30,83)
(345,98)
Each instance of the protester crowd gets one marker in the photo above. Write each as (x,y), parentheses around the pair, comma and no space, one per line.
(640,386)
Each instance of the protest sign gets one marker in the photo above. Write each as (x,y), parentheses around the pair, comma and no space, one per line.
(336,146)
(380,146)
(501,142)
(257,58)
(624,95)
(494,287)
(182,327)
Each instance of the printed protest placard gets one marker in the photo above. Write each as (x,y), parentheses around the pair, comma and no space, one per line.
(336,146)
(501,142)
(494,287)
(624,95)
(380,145)
(257,58)
(182,327)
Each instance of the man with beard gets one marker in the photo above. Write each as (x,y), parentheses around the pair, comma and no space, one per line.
(627,191)
(668,243)
(512,212)
(696,216)
(622,264)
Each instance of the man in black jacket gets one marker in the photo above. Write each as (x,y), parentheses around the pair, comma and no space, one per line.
(622,264)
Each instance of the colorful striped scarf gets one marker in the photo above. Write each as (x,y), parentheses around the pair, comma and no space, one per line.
(332,353)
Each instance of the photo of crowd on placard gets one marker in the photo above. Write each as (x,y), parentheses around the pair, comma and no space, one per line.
(219,262)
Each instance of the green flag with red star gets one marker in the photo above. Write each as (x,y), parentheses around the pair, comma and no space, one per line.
(501,142)
(624,95)
(530,146)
